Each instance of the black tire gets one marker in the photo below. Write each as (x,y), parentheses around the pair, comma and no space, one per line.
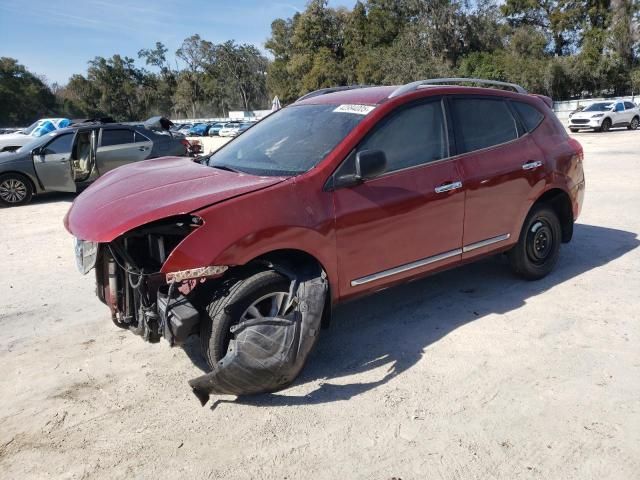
(606,125)
(635,121)
(538,247)
(574,130)
(225,310)
(15,190)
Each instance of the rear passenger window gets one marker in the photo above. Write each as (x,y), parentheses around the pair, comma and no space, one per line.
(482,123)
(413,136)
(629,105)
(529,115)
(116,137)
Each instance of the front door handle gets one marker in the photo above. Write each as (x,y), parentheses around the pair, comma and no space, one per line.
(142,149)
(447,187)
(532,165)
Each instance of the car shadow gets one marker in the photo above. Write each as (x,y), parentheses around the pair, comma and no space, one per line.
(392,328)
(52,197)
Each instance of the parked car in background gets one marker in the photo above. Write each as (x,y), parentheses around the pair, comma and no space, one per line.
(235,128)
(216,127)
(68,159)
(601,116)
(345,192)
(184,129)
(13,141)
(199,130)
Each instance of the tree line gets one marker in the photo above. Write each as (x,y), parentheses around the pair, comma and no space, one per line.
(561,48)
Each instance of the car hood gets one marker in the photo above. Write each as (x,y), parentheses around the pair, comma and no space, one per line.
(143,192)
(10,139)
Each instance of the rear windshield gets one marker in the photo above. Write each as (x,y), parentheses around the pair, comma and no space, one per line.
(289,141)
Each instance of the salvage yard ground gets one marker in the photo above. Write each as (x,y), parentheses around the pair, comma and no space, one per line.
(472,373)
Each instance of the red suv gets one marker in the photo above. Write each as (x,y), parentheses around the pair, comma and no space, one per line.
(368,187)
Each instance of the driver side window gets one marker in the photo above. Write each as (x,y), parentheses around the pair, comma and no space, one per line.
(60,144)
(413,136)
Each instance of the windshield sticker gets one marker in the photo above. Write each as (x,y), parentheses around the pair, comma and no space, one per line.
(359,109)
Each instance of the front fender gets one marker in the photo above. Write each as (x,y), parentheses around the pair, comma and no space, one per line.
(287,217)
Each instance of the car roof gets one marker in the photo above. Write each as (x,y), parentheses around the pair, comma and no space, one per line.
(377,95)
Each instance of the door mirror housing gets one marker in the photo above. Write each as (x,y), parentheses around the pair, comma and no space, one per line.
(370,164)
(38,151)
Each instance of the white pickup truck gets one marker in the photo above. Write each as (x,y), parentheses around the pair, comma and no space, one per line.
(601,116)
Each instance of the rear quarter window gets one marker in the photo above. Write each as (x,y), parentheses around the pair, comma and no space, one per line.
(530,116)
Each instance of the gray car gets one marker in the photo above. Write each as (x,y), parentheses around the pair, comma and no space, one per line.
(70,158)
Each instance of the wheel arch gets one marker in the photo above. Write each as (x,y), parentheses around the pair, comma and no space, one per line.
(286,260)
(560,201)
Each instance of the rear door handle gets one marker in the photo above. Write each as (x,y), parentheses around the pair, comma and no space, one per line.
(532,165)
(447,187)
(142,149)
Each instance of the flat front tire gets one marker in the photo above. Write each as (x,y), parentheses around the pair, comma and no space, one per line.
(15,190)
(262,294)
(538,247)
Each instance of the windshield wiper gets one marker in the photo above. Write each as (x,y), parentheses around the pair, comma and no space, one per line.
(224,167)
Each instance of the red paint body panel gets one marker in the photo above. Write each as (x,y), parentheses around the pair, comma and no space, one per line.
(397,219)
(146,191)
(353,231)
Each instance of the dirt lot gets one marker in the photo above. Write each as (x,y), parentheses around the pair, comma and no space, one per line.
(468,374)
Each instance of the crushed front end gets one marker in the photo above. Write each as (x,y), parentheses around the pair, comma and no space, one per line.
(129,280)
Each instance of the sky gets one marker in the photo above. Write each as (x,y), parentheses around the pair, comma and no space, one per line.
(56,38)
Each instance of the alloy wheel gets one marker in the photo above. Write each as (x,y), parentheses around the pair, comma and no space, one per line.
(272,305)
(13,190)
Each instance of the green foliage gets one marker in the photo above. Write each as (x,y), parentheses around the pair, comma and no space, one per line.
(562,48)
(23,96)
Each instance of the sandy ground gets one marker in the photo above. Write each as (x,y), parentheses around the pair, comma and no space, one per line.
(468,374)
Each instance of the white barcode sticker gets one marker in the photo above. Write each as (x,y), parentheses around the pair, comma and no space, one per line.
(359,109)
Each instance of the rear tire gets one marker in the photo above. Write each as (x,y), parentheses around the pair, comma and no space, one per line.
(15,190)
(634,123)
(538,247)
(606,125)
(228,308)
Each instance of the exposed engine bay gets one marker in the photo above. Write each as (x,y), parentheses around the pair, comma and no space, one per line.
(264,354)
(129,282)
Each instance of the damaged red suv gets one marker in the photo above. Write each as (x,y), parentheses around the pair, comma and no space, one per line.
(346,191)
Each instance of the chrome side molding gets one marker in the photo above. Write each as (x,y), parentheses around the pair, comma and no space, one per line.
(484,243)
(406,267)
(428,260)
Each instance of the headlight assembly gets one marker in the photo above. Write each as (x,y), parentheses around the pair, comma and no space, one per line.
(86,253)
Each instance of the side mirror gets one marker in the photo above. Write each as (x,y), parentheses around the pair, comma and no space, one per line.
(37,151)
(370,164)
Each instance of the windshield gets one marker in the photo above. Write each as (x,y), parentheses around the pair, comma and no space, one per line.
(289,141)
(30,128)
(36,142)
(599,107)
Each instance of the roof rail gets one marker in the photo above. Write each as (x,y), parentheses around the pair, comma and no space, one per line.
(410,87)
(324,91)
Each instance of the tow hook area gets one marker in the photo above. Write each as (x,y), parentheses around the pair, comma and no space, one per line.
(267,354)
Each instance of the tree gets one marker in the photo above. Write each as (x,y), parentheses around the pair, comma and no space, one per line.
(23,96)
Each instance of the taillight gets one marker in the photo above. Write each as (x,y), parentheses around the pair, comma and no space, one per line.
(579,155)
